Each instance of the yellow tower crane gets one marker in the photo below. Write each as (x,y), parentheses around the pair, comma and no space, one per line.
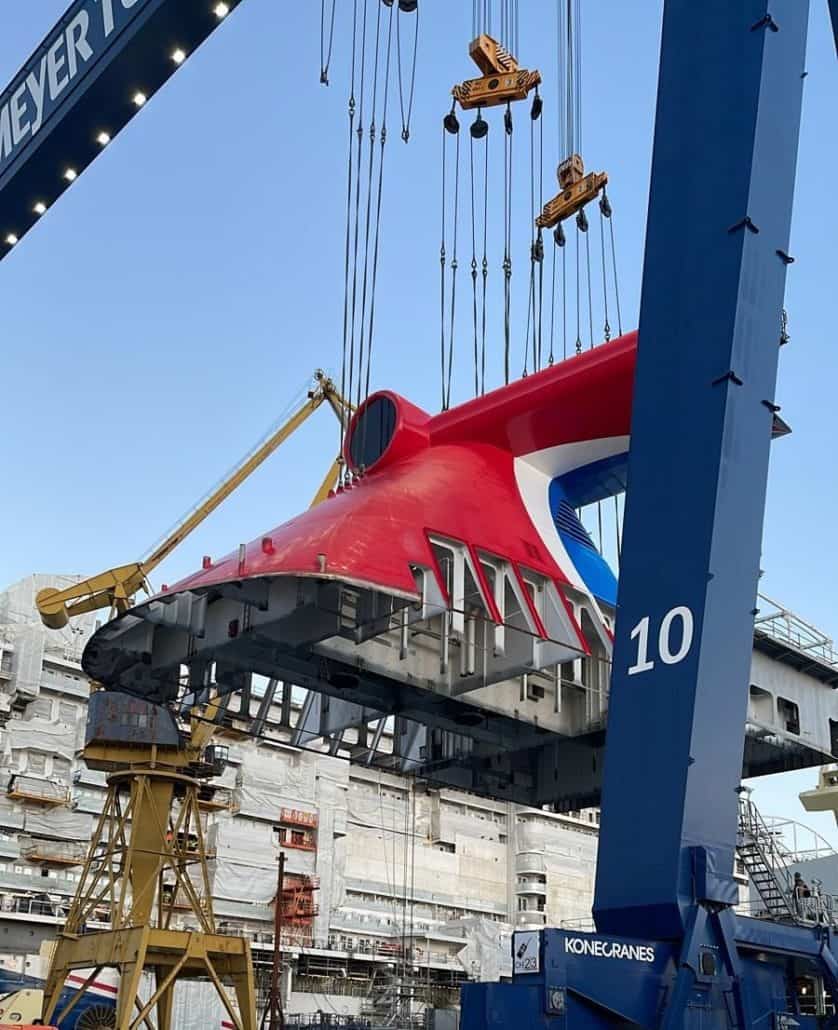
(146,866)
(116,588)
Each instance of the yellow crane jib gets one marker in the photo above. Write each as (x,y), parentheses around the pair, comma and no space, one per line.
(576,190)
(502,79)
(116,588)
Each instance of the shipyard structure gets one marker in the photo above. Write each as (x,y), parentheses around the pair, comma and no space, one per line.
(394,893)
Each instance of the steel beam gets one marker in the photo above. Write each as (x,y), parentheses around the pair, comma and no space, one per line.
(726,135)
(91,75)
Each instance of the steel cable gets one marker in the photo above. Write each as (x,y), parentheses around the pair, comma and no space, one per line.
(348,223)
(454,267)
(607,326)
(383,138)
(407,113)
(326,47)
(362,342)
(474,270)
(485,266)
(360,135)
(507,246)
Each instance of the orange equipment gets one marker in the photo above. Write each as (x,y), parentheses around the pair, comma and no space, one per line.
(502,79)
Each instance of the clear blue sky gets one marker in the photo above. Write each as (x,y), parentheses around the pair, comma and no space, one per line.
(175,301)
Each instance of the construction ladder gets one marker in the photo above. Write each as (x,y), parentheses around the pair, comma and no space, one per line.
(765,862)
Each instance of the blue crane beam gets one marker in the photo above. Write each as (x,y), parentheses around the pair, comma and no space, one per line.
(89,77)
(726,138)
(833,10)
(669,952)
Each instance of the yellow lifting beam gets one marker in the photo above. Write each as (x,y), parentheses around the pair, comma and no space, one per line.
(502,80)
(576,190)
(116,588)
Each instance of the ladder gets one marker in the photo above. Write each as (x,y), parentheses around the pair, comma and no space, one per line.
(765,863)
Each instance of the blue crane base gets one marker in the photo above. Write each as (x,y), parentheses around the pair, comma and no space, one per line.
(730,973)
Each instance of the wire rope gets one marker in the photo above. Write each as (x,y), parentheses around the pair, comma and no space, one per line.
(588,277)
(407,110)
(551,357)
(578,296)
(474,272)
(507,239)
(454,268)
(484,267)
(442,261)
(607,326)
(351,111)
(326,40)
(616,279)
(360,139)
(369,191)
(377,239)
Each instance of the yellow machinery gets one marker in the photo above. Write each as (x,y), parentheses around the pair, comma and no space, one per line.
(575,190)
(20,1010)
(116,588)
(502,80)
(146,867)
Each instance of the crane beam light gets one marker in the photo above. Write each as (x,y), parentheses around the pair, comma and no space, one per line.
(87,73)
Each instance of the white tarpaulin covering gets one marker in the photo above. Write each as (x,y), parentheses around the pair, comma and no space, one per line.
(487,951)
(40,735)
(58,822)
(249,883)
(264,786)
(11,814)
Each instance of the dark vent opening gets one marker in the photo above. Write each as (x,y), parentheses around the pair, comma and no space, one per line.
(372,433)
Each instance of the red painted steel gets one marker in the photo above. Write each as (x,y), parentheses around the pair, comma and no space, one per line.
(451,474)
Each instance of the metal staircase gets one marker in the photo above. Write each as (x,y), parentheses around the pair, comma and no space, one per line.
(764,860)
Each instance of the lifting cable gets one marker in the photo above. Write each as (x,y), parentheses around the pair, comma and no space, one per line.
(327,37)
(559,244)
(359,133)
(509,23)
(584,227)
(572,168)
(407,106)
(603,207)
(350,179)
(535,307)
(479,131)
(369,188)
(509,37)
(383,141)
(481,18)
(609,214)
(484,270)
(501,82)
(507,238)
(578,294)
(450,127)
(365,186)
(570,76)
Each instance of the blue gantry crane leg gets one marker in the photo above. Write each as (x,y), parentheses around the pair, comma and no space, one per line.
(670,951)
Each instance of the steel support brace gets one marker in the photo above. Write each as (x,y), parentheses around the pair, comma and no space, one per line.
(725,151)
(833,12)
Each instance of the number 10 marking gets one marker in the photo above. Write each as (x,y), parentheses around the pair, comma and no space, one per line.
(640,633)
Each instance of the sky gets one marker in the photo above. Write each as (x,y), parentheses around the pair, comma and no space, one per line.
(176,301)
